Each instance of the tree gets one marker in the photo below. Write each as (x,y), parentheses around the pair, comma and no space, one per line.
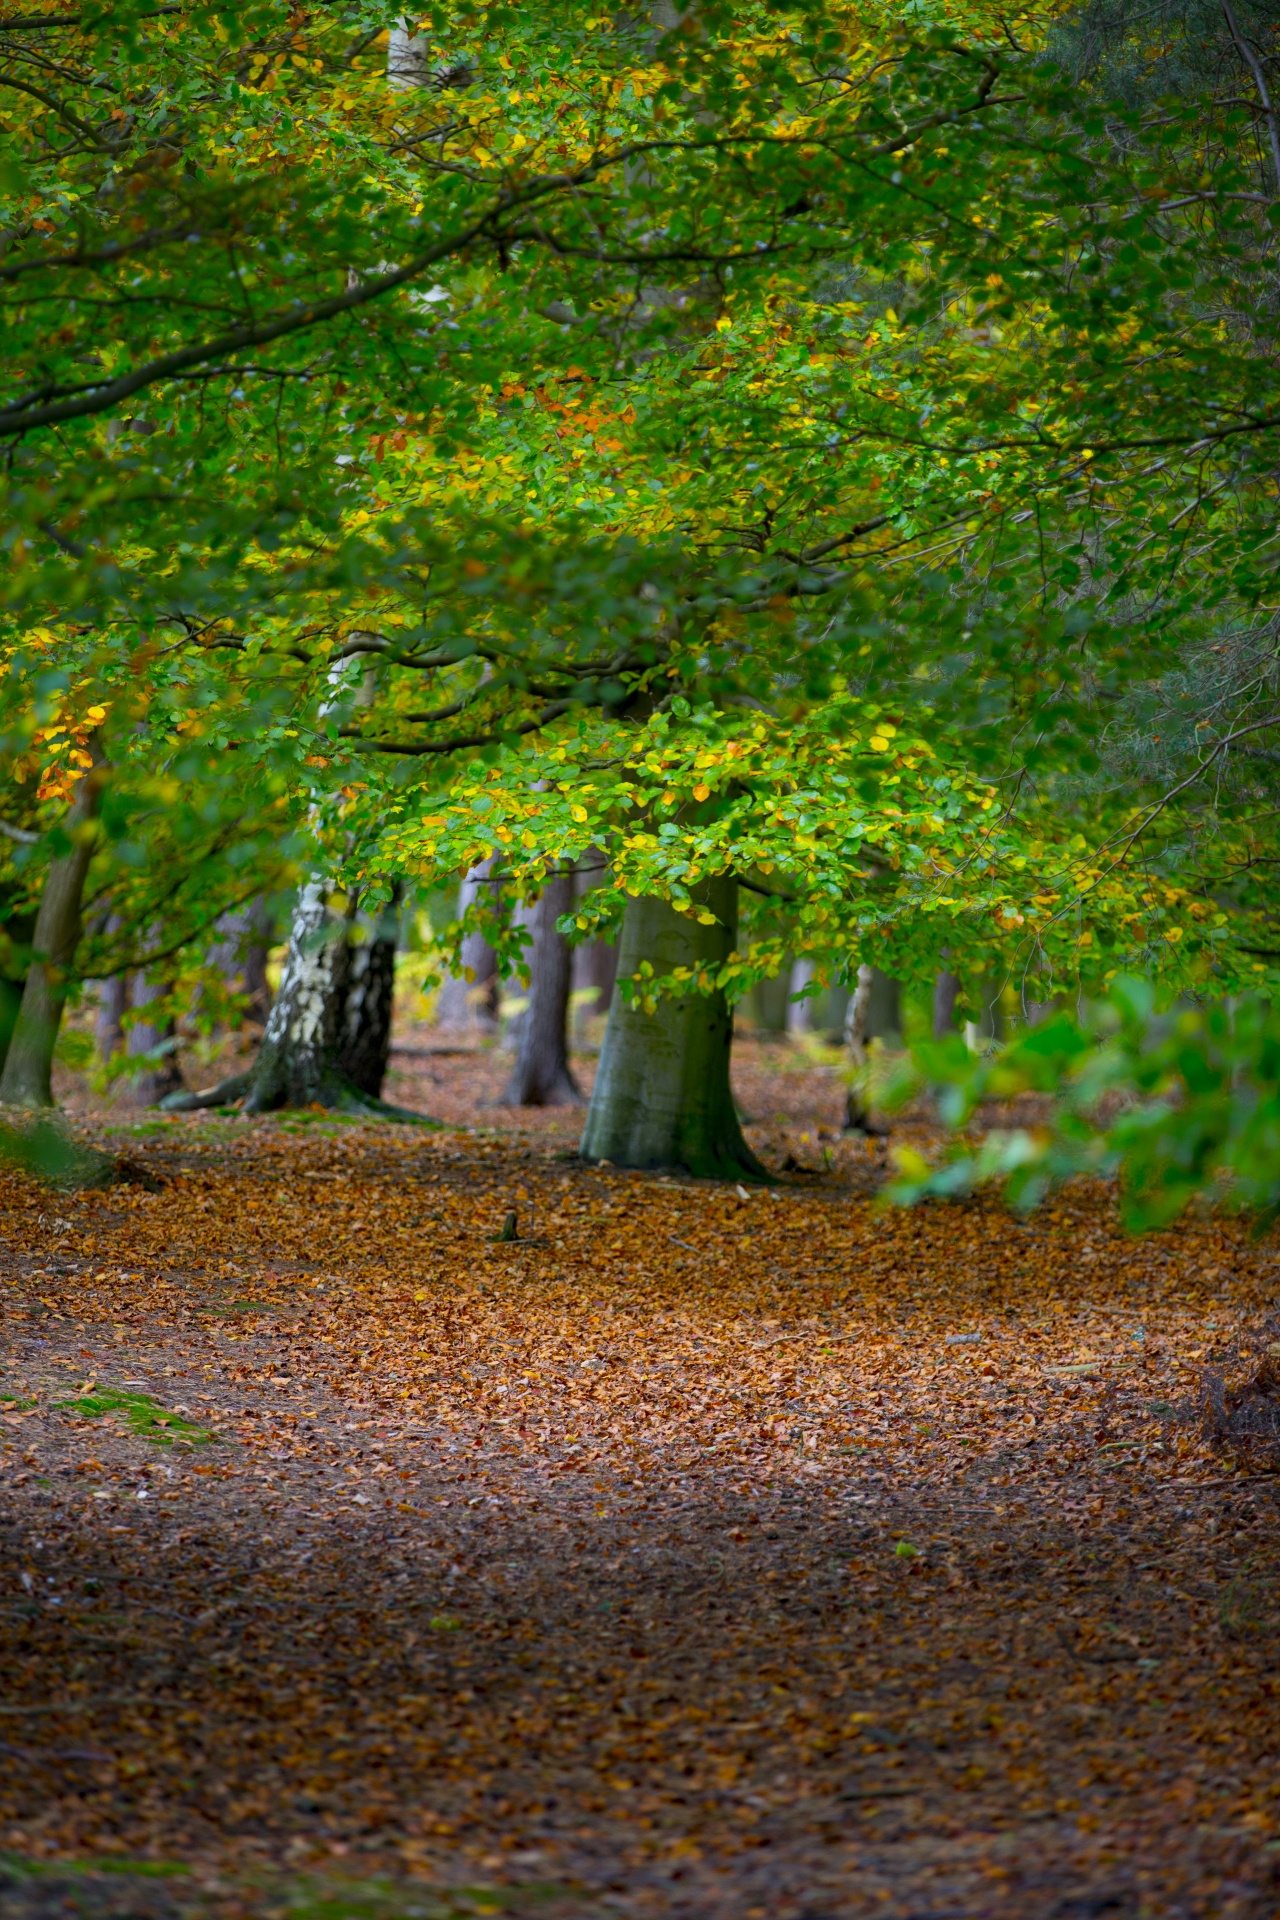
(28,1065)
(541,1076)
(153,1041)
(662,1096)
(328,1034)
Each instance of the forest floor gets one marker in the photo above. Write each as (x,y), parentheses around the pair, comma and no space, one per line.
(699,1553)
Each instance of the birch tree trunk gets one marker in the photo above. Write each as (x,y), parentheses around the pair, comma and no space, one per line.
(662,1095)
(541,1075)
(298,1061)
(330,1020)
(27,1077)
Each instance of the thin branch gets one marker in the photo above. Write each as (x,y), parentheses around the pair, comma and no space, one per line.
(1254,65)
(20,834)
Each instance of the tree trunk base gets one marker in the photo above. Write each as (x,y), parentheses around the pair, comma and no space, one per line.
(523,1090)
(336,1096)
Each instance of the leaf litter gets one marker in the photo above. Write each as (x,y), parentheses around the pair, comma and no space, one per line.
(690,1554)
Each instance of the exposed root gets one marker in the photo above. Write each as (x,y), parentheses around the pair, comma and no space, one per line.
(225,1094)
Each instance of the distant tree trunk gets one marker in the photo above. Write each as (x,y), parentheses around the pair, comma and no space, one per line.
(872,1014)
(884,1008)
(257,956)
(27,1077)
(541,1076)
(662,1095)
(945,989)
(152,1084)
(800,1012)
(370,1002)
(113,1004)
(857,1112)
(471,1003)
(242,954)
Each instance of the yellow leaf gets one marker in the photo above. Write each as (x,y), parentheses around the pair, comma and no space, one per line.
(701,792)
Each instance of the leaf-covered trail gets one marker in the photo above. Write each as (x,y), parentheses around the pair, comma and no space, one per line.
(689,1557)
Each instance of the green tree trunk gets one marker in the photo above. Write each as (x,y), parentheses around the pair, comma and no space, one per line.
(662,1096)
(26,1080)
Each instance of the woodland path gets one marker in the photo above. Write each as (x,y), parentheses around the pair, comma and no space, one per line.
(570,1577)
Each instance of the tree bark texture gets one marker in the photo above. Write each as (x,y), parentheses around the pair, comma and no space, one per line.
(330,1022)
(541,1075)
(857,1112)
(369,1003)
(945,989)
(471,1004)
(298,1061)
(28,1067)
(662,1095)
(800,1012)
(151,1084)
(113,1004)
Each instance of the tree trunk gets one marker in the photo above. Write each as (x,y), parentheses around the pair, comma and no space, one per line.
(113,1004)
(242,953)
(945,988)
(541,1076)
(662,1096)
(10,1001)
(369,1004)
(309,1043)
(884,1008)
(26,1080)
(856,1110)
(595,962)
(153,1083)
(298,1061)
(471,1002)
(800,1012)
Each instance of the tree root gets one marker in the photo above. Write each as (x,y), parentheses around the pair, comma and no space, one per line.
(225,1094)
(338,1096)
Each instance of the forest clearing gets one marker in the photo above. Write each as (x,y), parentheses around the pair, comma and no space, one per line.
(695,1554)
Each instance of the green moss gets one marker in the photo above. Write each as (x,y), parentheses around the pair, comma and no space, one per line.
(143,1416)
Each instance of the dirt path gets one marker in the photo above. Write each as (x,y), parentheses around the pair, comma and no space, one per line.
(689,1557)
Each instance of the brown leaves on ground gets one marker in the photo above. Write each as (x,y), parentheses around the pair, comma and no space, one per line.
(694,1553)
